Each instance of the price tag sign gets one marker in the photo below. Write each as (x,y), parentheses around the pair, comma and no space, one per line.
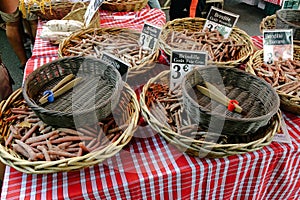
(149,36)
(119,64)
(291,4)
(92,8)
(278,44)
(184,61)
(284,136)
(220,20)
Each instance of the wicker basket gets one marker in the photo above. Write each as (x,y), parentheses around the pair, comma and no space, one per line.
(258,100)
(77,13)
(289,19)
(92,99)
(194,25)
(189,143)
(286,102)
(268,23)
(124,6)
(138,67)
(56,10)
(127,114)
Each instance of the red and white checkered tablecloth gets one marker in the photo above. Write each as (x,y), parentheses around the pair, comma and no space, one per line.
(151,168)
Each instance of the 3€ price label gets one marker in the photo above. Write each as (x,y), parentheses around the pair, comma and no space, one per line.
(182,62)
(149,36)
(92,8)
(220,20)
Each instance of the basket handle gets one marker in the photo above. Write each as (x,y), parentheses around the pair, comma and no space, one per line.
(75,4)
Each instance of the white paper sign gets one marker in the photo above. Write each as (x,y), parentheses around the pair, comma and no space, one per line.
(278,44)
(149,36)
(119,64)
(184,61)
(291,4)
(284,136)
(92,8)
(220,20)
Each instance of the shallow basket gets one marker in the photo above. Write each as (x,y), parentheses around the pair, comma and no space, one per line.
(289,19)
(92,99)
(268,23)
(258,100)
(237,144)
(196,24)
(56,10)
(124,6)
(143,65)
(286,102)
(126,114)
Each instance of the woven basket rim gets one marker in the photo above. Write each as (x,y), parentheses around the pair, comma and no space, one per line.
(237,31)
(253,119)
(75,163)
(52,5)
(34,105)
(54,10)
(281,11)
(122,3)
(267,19)
(219,150)
(133,5)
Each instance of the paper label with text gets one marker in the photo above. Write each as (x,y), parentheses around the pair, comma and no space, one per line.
(183,62)
(291,4)
(277,44)
(119,64)
(92,8)
(149,36)
(220,20)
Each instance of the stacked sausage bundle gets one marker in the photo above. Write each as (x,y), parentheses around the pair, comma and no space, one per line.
(122,43)
(36,140)
(283,75)
(189,34)
(218,48)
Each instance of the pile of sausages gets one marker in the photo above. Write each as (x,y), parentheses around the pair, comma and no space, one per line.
(37,141)
(123,45)
(167,107)
(283,75)
(218,48)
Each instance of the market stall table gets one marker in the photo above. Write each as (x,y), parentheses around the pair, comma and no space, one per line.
(151,168)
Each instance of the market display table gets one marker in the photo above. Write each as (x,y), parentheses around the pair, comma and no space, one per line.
(151,168)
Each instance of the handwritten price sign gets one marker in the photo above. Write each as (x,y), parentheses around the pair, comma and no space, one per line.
(149,36)
(92,8)
(183,62)
(220,20)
